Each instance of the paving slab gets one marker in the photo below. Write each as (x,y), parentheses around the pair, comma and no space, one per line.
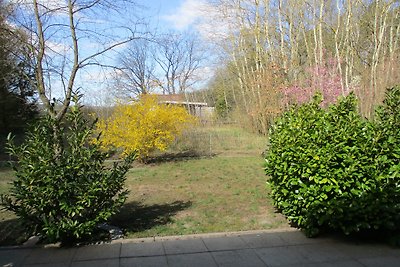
(381,261)
(351,263)
(238,258)
(95,252)
(142,249)
(54,264)
(184,246)
(191,260)
(144,261)
(280,256)
(322,252)
(361,251)
(50,255)
(97,263)
(263,240)
(284,249)
(225,243)
(13,257)
(298,238)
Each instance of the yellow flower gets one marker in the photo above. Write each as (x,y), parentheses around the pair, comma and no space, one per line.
(144,126)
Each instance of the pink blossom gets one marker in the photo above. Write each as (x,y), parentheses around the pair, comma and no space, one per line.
(323,78)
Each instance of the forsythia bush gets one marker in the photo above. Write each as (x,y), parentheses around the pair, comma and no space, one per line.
(332,169)
(144,126)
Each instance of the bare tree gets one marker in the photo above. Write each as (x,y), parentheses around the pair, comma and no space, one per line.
(136,73)
(362,36)
(179,57)
(68,36)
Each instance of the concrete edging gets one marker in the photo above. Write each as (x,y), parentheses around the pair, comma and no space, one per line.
(31,242)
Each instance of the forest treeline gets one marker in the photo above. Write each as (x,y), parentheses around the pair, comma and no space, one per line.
(276,52)
(269,54)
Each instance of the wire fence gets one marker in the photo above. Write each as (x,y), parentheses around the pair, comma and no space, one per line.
(219,139)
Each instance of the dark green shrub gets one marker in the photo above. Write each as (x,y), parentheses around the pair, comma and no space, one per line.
(329,169)
(222,108)
(62,190)
(388,158)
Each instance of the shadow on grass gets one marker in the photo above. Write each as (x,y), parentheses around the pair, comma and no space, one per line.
(133,217)
(11,232)
(177,156)
(137,217)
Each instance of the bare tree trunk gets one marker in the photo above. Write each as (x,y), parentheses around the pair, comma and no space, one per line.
(347,46)
(337,52)
(39,65)
(320,23)
(393,39)
(282,36)
(266,29)
(380,19)
(241,81)
(315,34)
(308,49)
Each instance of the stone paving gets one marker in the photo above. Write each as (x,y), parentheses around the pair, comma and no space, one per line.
(284,248)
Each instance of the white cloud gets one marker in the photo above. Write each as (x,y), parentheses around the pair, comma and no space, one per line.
(187,14)
(53,4)
(96,75)
(211,22)
(218,23)
(58,48)
(58,6)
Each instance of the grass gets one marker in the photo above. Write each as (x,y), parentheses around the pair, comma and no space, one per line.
(6,177)
(198,196)
(225,192)
(11,232)
(222,139)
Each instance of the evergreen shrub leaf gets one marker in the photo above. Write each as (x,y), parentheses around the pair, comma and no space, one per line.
(332,169)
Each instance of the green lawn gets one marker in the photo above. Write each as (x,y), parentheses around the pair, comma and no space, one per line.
(225,192)
(222,139)
(6,176)
(10,230)
(218,194)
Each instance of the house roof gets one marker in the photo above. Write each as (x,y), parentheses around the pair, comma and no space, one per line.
(171,97)
(178,99)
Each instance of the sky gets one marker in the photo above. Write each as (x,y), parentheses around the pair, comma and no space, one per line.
(174,14)
(161,15)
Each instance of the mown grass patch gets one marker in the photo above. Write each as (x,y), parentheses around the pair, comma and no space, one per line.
(188,195)
(198,196)
(6,177)
(220,139)
(11,232)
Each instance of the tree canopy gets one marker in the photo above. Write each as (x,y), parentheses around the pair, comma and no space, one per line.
(17,87)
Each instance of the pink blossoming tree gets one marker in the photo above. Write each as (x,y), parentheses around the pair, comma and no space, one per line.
(323,78)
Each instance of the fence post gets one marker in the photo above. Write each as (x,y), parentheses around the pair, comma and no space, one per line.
(210,146)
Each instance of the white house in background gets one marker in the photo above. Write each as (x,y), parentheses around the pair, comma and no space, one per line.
(198,109)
